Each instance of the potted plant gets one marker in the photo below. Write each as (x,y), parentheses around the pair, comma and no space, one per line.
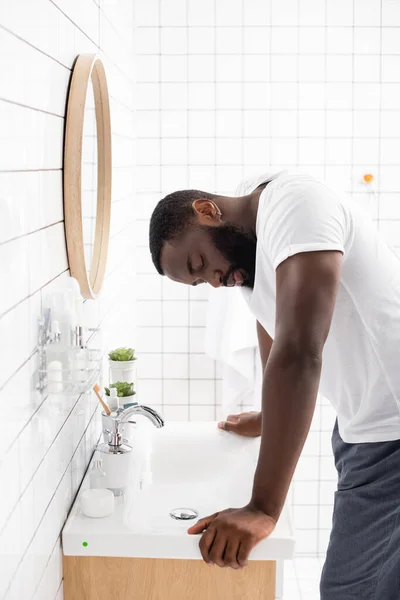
(124,389)
(122,365)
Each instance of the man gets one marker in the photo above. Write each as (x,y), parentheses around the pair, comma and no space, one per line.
(325,290)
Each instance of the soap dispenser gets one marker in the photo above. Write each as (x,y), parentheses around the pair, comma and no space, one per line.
(116,458)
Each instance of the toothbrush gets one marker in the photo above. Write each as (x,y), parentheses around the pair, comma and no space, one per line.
(96,389)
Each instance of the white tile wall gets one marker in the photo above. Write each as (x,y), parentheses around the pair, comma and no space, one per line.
(227,89)
(46,440)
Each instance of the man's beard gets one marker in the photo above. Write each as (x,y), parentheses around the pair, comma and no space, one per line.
(237,247)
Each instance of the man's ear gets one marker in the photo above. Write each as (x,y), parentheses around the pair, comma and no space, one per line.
(207,212)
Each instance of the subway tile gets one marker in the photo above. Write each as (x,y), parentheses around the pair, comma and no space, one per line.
(390,13)
(173,178)
(311,12)
(339,68)
(149,391)
(368,69)
(229,151)
(175,339)
(40,135)
(176,391)
(201,177)
(174,40)
(228,124)
(366,96)
(305,466)
(149,313)
(85,15)
(147,40)
(256,68)
(32,78)
(229,96)
(228,68)
(367,13)
(175,313)
(306,493)
(201,14)
(201,366)
(201,40)
(196,339)
(390,68)
(367,40)
(149,339)
(52,577)
(228,12)
(174,151)
(147,13)
(339,40)
(229,40)
(257,13)
(175,366)
(312,40)
(200,68)
(310,96)
(305,517)
(340,13)
(176,413)
(284,68)
(201,392)
(173,124)
(256,151)
(326,491)
(173,68)
(365,151)
(202,413)
(284,12)
(257,40)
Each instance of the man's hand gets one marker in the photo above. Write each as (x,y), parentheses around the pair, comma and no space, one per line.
(247,424)
(231,534)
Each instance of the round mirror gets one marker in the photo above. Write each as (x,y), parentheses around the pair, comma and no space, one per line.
(87,174)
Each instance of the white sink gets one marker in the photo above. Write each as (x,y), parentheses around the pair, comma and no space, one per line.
(194,466)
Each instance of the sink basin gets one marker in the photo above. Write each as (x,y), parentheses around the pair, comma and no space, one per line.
(193,466)
(200,467)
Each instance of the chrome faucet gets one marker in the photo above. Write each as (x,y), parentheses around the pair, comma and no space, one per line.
(139,409)
(113,424)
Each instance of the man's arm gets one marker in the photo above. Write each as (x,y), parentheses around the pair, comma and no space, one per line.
(306,287)
(264,343)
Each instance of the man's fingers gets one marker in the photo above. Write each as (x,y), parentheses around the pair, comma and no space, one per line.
(231,551)
(229,425)
(206,543)
(233,418)
(217,550)
(202,524)
(243,552)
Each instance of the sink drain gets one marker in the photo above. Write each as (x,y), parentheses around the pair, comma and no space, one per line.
(184,514)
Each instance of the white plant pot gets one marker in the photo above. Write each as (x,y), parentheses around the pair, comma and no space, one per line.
(122,370)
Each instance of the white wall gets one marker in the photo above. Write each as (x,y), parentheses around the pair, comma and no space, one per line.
(46,441)
(229,87)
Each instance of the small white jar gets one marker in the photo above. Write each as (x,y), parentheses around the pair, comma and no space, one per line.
(97,503)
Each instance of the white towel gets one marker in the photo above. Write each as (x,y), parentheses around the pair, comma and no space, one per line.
(231,335)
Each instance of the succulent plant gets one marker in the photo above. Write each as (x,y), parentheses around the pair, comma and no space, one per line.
(123,389)
(122,354)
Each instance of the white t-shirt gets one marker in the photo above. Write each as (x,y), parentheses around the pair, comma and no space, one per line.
(361,358)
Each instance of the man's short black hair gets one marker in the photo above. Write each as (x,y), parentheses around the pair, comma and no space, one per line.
(170,218)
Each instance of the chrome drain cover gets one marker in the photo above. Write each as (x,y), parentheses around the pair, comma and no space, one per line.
(183,514)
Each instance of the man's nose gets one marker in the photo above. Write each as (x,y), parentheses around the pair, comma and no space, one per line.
(215,280)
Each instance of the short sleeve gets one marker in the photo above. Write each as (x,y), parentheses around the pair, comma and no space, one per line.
(304,217)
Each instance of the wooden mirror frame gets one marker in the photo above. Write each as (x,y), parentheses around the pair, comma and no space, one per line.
(87,67)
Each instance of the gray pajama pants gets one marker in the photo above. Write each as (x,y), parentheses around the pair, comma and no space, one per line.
(363,558)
